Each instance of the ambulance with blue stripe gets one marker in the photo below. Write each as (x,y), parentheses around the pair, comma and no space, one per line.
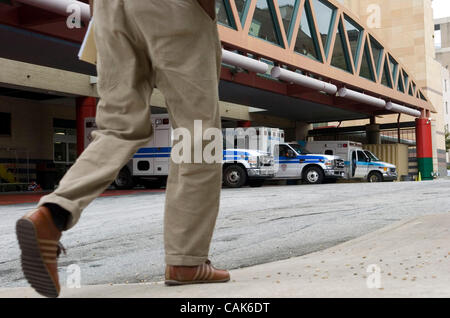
(150,164)
(294,162)
(359,163)
(291,160)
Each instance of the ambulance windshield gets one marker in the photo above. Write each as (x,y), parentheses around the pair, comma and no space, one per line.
(371,156)
(299,149)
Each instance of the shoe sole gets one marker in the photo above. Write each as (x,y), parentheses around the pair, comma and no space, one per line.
(177,283)
(33,265)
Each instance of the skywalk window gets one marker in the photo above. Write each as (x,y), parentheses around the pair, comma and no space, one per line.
(367,70)
(264,24)
(224,15)
(377,51)
(306,42)
(242,7)
(354,34)
(325,15)
(341,58)
(288,9)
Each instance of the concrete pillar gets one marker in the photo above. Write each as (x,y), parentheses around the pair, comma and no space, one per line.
(301,130)
(373,134)
(424,148)
(86,107)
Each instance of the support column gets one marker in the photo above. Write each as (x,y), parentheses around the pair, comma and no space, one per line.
(301,130)
(373,134)
(424,148)
(86,107)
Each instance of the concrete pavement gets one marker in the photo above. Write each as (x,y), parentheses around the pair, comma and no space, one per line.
(120,239)
(412,257)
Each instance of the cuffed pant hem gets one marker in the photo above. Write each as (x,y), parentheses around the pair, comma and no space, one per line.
(184,260)
(64,203)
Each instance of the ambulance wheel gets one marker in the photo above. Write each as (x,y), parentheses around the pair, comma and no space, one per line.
(234,176)
(313,175)
(256,183)
(375,177)
(124,180)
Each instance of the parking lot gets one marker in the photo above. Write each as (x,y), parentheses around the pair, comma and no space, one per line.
(119,238)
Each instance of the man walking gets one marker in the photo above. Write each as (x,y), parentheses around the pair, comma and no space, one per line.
(173,45)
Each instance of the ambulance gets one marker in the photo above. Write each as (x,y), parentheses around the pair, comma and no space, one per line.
(150,164)
(291,160)
(359,163)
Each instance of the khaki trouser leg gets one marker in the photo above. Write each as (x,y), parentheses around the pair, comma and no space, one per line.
(123,113)
(182,43)
(184,46)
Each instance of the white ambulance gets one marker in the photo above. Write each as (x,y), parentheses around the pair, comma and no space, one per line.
(294,162)
(150,165)
(359,163)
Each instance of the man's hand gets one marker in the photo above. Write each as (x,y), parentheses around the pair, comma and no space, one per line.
(91,4)
(209,6)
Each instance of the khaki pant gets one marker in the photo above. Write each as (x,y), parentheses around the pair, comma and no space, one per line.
(173,44)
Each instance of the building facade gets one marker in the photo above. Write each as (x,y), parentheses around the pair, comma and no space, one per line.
(408,27)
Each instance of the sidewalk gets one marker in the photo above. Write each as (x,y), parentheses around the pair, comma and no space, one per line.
(413,257)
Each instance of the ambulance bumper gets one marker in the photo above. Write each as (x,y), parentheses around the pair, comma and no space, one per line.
(390,177)
(334,173)
(261,173)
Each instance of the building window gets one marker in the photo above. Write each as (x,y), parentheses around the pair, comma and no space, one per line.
(437,36)
(446,108)
(264,24)
(445,85)
(5,124)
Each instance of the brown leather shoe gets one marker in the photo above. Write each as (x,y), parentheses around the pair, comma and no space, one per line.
(201,274)
(39,241)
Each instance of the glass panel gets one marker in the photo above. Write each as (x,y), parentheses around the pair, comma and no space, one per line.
(305,43)
(394,67)
(422,96)
(386,78)
(377,52)
(340,57)
(414,87)
(354,37)
(263,25)
(221,11)
(324,16)
(60,151)
(400,84)
(405,78)
(72,152)
(287,8)
(410,91)
(366,65)
(241,6)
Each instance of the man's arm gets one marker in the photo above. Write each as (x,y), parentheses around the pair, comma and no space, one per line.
(91,4)
(209,6)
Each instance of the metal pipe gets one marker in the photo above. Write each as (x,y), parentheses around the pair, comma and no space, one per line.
(402,109)
(60,7)
(302,80)
(360,97)
(244,62)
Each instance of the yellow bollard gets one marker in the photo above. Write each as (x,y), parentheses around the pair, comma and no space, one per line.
(420,177)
